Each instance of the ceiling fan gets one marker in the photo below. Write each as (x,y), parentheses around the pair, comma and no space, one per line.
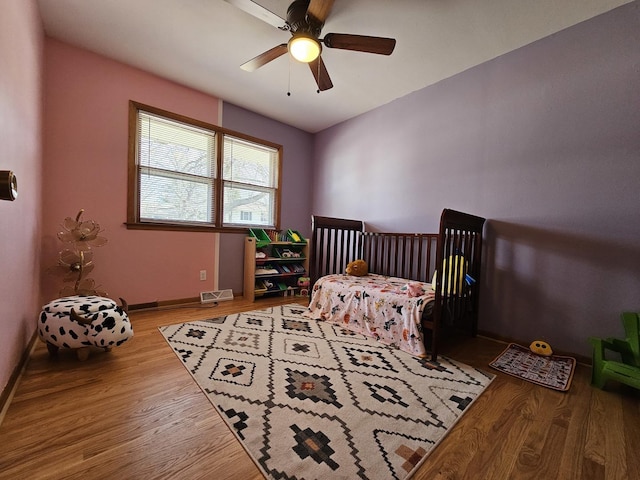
(305,19)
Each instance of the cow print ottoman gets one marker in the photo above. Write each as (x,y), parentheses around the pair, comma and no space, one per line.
(80,322)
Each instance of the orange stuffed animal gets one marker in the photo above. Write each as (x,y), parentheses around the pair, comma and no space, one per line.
(357,268)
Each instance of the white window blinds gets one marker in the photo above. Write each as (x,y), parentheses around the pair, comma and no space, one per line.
(176,165)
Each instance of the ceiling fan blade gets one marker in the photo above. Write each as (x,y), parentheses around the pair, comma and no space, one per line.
(320,9)
(258,11)
(360,43)
(320,74)
(264,58)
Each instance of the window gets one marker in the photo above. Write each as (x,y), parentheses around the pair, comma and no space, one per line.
(249,174)
(186,174)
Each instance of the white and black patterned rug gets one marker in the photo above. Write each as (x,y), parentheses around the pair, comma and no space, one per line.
(310,400)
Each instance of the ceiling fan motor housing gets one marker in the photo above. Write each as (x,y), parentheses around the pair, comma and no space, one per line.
(300,22)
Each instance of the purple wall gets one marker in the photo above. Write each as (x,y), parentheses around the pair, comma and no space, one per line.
(296,184)
(545,143)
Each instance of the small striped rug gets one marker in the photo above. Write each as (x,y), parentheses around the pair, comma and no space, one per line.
(554,371)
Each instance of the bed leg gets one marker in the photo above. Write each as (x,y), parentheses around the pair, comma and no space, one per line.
(434,349)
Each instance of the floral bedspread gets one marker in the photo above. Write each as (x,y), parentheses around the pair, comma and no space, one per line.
(381,307)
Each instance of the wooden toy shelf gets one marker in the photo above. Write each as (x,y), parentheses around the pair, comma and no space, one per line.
(273,268)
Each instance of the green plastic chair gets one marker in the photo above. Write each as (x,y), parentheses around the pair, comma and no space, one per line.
(627,370)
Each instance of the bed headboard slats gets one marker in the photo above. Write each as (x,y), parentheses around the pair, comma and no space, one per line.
(334,243)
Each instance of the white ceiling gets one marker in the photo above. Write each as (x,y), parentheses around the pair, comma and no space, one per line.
(202,43)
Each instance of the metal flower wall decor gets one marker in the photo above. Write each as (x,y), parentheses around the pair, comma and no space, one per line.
(76,261)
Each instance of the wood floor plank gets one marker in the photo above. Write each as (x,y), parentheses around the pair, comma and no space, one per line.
(577,404)
(631,420)
(540,453)
(615,455)
(457,453)
(511,426)
(136,413)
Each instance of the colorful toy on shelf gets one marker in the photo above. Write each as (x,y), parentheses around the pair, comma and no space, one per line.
(261,237)
(286,253)
(295,236)
(303,284)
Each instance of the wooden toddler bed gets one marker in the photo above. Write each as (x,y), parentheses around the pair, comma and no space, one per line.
(398,303)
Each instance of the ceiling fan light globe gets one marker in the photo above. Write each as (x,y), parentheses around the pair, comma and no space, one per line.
(304,49)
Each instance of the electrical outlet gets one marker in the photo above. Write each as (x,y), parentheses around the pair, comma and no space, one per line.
(203,274)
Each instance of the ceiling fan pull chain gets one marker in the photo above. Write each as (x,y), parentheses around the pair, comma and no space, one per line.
(289,79)
(319,60)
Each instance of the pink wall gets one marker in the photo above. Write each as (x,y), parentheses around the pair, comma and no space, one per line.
(85,166)
(20,139)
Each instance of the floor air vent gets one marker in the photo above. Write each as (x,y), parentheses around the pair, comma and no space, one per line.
(216,296)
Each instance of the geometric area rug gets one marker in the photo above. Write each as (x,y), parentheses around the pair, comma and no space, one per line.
(308,399)
(553,371)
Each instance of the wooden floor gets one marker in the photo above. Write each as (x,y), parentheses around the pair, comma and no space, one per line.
(135,413)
